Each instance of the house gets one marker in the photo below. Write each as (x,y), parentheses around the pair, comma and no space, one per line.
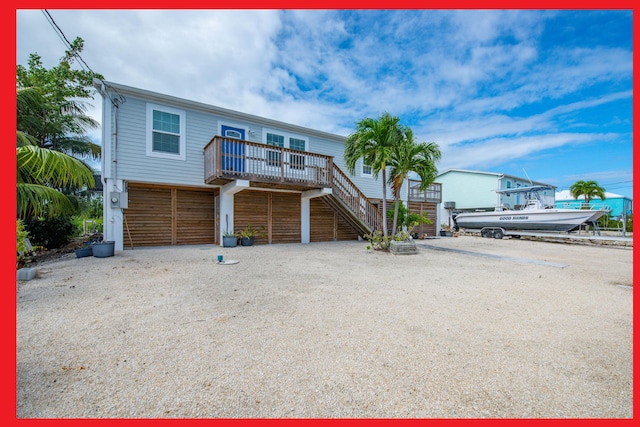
(616,204)
(176,171)
(470,191)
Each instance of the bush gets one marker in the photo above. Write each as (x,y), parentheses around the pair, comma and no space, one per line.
(50,233)
(377,241)
(78,225)
(23,251)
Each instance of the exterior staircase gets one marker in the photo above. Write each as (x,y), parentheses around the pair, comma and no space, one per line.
(351,204)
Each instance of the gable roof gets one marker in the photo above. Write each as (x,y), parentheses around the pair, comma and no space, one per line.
(566,195)
(104,86)
(496,174)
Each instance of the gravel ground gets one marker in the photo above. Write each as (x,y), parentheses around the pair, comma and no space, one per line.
(507,329)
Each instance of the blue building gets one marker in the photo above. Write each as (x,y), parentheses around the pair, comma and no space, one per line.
(615,203)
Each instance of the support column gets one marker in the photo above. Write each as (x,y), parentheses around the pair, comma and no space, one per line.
(112,220)
(226,204)
(305,212)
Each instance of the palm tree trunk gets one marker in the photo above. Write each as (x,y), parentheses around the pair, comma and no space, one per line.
(384,202)
(395,215)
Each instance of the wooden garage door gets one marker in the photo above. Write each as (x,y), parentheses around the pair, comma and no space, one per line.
(285,223)
(162,216)
(277,212)
(252,207)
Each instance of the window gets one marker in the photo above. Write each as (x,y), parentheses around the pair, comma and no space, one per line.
(273,157)
(297,160)
(231,133)
(165,132)
(366,169)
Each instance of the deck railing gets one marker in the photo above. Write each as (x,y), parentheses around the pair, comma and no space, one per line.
(230,158)
(346,191)
(433,193)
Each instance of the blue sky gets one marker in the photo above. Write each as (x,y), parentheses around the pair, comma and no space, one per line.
(546,94)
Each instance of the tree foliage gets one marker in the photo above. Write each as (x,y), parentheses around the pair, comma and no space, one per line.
(51,106)
(372,141)
(384,143)
(409,156)
(588,189)
(51,122)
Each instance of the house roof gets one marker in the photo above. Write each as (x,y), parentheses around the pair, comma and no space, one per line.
(470,171)
(496,174)
(104,86)
(566,195)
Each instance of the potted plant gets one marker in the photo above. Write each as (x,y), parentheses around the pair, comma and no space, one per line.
(445,230)
(229,239)
(248,234)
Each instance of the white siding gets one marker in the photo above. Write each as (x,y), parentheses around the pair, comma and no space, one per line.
(469,190)
(201,126)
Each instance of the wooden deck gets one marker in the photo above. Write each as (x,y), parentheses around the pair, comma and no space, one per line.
(267,166)
(230,159)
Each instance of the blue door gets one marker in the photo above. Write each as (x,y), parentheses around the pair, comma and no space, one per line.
(232,151)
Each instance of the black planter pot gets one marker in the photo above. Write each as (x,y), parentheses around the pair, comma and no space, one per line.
(247,241)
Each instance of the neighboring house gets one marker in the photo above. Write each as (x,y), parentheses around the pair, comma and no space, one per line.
(177,171)
(469,191)
(616,204)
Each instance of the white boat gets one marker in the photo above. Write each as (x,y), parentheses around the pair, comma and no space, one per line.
(533,216)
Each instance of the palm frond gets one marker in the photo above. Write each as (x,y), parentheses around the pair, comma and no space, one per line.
(34,200)
(47,167)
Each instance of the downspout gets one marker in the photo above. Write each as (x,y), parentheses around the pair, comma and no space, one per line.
(109,171)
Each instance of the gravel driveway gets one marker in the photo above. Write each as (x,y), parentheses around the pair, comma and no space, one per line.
(467,328)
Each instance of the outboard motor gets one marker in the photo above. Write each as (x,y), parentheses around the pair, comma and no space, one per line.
(456,227)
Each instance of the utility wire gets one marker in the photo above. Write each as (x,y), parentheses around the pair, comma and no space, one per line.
(115,102)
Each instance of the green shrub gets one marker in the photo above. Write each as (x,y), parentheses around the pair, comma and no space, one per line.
(23,252)
(50,233)
(377,241)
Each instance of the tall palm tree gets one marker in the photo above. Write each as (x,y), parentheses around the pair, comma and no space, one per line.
(588,189)
(41,172)
(372,141)
(409,156)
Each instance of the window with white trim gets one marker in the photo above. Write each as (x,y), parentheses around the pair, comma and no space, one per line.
(273,157)
(285,140)
(165,132)
(297,160)
(366,169)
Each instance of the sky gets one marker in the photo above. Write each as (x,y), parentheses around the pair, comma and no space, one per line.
(539,94)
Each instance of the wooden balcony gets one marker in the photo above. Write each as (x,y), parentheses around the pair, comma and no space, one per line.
(433,193)
(229,159)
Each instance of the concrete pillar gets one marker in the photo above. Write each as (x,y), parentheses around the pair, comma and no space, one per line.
(226,204)
(305,212)
(112,227)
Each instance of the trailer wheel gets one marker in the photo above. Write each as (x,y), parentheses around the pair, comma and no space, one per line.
(486,233)
(498,234)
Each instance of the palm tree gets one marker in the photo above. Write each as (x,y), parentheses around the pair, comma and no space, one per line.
(588,189)
(408,156)
(59,120)
(372,141)
(41,172)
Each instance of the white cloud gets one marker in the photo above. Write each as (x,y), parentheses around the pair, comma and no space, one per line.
(469,80)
